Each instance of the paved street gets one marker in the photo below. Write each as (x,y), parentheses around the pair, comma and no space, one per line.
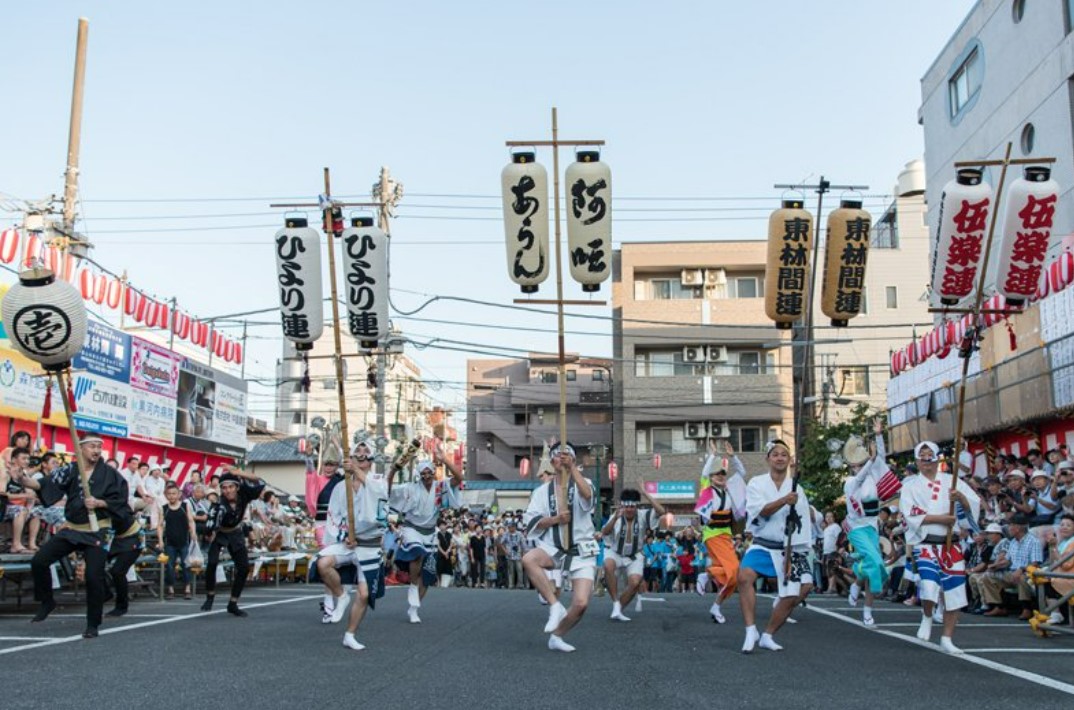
(485,649)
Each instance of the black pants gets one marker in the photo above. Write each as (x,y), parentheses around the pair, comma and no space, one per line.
(477,572)
(123,554)
(235,542)
(95,555)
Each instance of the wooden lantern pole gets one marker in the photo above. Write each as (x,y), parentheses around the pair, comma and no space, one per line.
(976,312)
(328,205)
(559,302)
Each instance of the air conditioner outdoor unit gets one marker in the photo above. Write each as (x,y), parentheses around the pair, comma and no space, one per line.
(693,353)
(717,353)
(691,277)
(714,277)
(695,430)
(720,430)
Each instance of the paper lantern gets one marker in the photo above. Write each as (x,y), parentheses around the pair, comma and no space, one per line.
(613,471)
(956,256)
(525,220)
(524,467)
(589,219)
(45,318)
(1029,211)
(656,461)
(298,275)
(365,268)
(790,243)
(844,263)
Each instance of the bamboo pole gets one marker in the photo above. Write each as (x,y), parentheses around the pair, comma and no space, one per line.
(330,234)
(978,300)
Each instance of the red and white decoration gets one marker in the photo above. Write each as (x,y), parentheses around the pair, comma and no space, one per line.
(1027,231)
(115,294)
(613,471)
(964,209)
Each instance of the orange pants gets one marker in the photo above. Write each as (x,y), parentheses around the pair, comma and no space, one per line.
(723,564)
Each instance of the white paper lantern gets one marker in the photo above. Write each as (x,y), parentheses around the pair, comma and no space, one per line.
(956,257)
(589,219)
(525,220)
(365,269)
(298,276)
(45,318)
(1029,211)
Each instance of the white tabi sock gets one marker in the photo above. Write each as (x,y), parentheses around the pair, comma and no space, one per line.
(413,596)
(752,637)
(350,642)
(924,631)
(768,642)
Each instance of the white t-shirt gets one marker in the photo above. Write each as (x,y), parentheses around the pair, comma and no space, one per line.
(831,539)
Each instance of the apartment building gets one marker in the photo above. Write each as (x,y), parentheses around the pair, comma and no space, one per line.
(513,407)
(697,360)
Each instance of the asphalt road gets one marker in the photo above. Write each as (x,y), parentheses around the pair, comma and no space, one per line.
(485,649)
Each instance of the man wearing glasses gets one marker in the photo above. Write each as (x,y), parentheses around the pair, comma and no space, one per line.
(925,504)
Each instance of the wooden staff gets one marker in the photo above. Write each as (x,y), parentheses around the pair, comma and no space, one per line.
(83,472)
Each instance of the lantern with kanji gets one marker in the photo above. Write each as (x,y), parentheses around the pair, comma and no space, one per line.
(1029,211)
(589,219)
(525,220)
(956,256)
(365,265)
(790,243)
(45,318)
(844,263)
(298,275)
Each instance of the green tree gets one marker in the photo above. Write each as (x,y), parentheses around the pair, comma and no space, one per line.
(823,483)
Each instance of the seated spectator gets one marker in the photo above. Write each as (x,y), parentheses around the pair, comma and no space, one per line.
(1012,556)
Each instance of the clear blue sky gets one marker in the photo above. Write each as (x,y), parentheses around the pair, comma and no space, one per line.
(211,103)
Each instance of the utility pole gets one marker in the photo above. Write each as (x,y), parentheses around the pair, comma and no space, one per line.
(388,193)
(802,340)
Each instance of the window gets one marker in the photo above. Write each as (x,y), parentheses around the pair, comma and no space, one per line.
(666,440)
(549,377)
(893,297)
(549,418)
(855,381)
(329,384)
(773,433)
(749,363)
(747,439)
(298,418)
(596,418)
(886,232)
(572,375)
(522,418)
(865,300)
(1029,135)
(746,287)
(965,83)
(663,363)
(598,375)
(669,288)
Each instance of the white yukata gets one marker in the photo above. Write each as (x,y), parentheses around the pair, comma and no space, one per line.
(623,546)
(580,560)
(370,521)
(765,555)
(420,508)
(939,568)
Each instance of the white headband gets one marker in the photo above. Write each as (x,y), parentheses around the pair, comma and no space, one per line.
(929,444)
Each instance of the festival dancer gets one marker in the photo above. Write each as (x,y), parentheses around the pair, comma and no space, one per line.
(419,503)
(925,506)
(319,486)
(365,554)
(863,507)
(773,510)
(237,490)
(559,520)
(624,535)
(719,505)
(107,500)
